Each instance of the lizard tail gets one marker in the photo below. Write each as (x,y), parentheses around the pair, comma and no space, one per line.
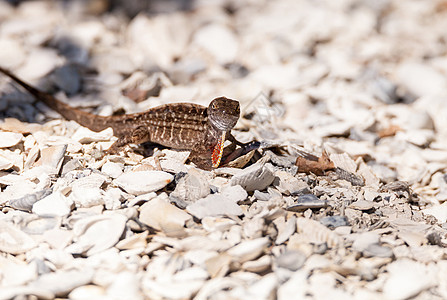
(91,121)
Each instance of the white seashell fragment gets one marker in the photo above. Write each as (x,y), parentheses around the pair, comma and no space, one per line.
(40,62)
(54,205)
(220,204)
(142,182)
(250,249)
(362,205)
(13,240)
(15,274)
(192,186)
(86,191)
(172,290)
(88,292)
(363,240)
(84,135)
(255,177)
(51,158)
(5,163)
(173,161)
(421,79)
(317,233)
(289,184)
(13,292)
(438,211)
(11,51)
(62,282)
(295,287)
(135,241)
(112,198)
(407,279)
(97,233)
(160,215)
(9,139)
(285,230)
(260,265)
(112,169)
(125,286)
(343,161)
(58,238)
(36,226)
(215,223)
(26,202)
(16,190)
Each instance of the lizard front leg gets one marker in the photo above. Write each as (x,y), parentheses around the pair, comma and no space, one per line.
(139,135)
(235,153)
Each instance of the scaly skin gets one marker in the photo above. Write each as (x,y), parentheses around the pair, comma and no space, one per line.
(186,126)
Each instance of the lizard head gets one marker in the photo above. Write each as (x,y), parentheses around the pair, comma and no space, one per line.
(223,113)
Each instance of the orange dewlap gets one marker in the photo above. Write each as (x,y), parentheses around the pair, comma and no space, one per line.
(218,151)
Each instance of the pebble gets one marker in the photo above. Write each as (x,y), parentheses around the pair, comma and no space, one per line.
(67,79)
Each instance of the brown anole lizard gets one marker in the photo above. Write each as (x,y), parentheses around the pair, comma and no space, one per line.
(187,126)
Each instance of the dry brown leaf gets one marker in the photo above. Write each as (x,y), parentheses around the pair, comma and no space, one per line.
(309,163)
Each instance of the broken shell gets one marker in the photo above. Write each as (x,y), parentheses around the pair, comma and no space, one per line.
(219,204)
(84,135)
(307,201)
(9,139)
(138,183)
(13,240)
(191,187)
(54,205)
(26,202)
(5,163)
(62,282)
(160,215)
(317,233)
(51,158)
(86,192)
(362,205)
(97,233)
(254,177)
(250,249)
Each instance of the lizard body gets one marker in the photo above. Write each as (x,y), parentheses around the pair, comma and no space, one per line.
(185,126)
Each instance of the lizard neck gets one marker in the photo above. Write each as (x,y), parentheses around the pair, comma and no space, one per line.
(213,134)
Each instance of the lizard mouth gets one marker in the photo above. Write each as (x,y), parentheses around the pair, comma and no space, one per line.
(223,124)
